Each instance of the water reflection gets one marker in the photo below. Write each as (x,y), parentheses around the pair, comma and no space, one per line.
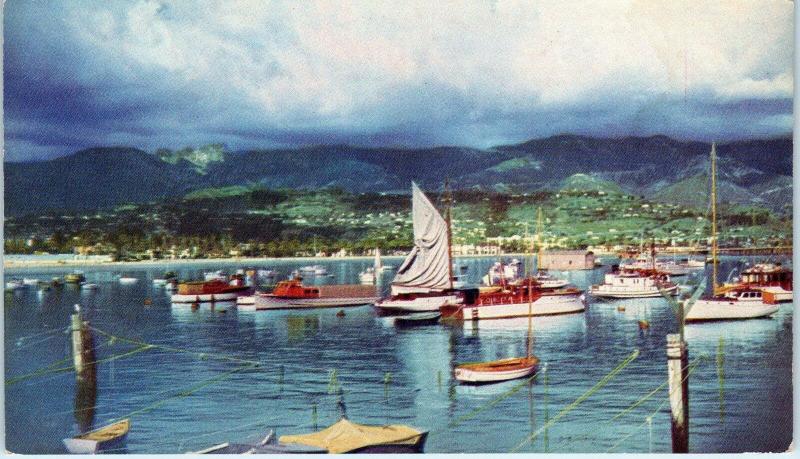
(299,348)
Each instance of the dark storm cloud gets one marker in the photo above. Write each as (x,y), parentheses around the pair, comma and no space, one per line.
(256,75)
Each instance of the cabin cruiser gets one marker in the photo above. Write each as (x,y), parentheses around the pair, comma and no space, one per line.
(546,280)
(731,303)
(521,299)
(634,283)
(672,267)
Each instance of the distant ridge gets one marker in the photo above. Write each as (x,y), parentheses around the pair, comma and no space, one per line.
(759,171)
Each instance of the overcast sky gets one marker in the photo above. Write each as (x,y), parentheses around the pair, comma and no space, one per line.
(156,74)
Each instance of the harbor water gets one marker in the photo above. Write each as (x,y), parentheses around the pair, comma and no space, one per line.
(200,386)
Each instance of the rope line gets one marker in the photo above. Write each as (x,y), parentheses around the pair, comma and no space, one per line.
(186,392)
(50,370)
(174,349)
(690,368)
(608,377)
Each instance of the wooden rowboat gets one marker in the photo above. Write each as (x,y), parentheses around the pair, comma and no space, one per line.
(496,370)
(106,438)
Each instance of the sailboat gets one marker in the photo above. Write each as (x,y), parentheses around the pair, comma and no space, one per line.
(503,369)
(371,274)
(728,302)
(424,281)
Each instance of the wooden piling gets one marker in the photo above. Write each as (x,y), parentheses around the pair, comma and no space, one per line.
(678,377)
(83,357)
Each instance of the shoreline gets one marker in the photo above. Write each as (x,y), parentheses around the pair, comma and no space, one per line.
(12,265)
(28,264)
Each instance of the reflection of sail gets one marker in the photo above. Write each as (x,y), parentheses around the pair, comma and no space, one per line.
(427,266)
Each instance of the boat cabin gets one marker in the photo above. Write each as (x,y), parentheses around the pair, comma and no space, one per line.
(295,289)
(768,276)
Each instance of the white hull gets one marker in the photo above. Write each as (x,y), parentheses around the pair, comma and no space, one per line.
(606,291)
(722,309)
(159,282)
(471,376)
(263,303)
(79,446)
(553,284)
(245,300)
(547,305)
(419,304)
(207,298)
(28,281)
(128,280)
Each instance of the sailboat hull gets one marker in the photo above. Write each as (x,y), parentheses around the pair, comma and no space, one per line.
(416,304)
(724,309)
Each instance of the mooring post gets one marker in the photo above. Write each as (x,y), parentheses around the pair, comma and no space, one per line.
(678,376)
(83,358)
(77,341)
(82,348)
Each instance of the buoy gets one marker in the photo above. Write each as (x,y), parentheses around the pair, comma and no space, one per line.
(148,301)
(222,311)
(340,313)
(643,324)
(195,306)
(621,308)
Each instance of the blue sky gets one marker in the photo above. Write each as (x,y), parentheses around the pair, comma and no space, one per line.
(263,74)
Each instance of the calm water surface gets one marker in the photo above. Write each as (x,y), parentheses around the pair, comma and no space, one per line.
(740,391)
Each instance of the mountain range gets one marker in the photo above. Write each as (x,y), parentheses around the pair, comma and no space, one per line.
(755,172)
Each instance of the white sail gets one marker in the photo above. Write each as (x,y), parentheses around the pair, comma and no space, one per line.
(426,268)
(377,264)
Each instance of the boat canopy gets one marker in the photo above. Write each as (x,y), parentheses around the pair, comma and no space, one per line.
(346,436)
(426,267)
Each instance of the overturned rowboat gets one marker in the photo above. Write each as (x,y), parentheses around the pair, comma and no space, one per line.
(106,438)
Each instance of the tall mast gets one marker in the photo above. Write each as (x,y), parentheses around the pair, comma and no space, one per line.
(448,198)
(714,214)
(530,307)
(538,239)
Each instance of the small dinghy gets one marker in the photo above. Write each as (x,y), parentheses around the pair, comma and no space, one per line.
(106,438)
(128,280)
(414,320)
(88,286)
(496,371)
